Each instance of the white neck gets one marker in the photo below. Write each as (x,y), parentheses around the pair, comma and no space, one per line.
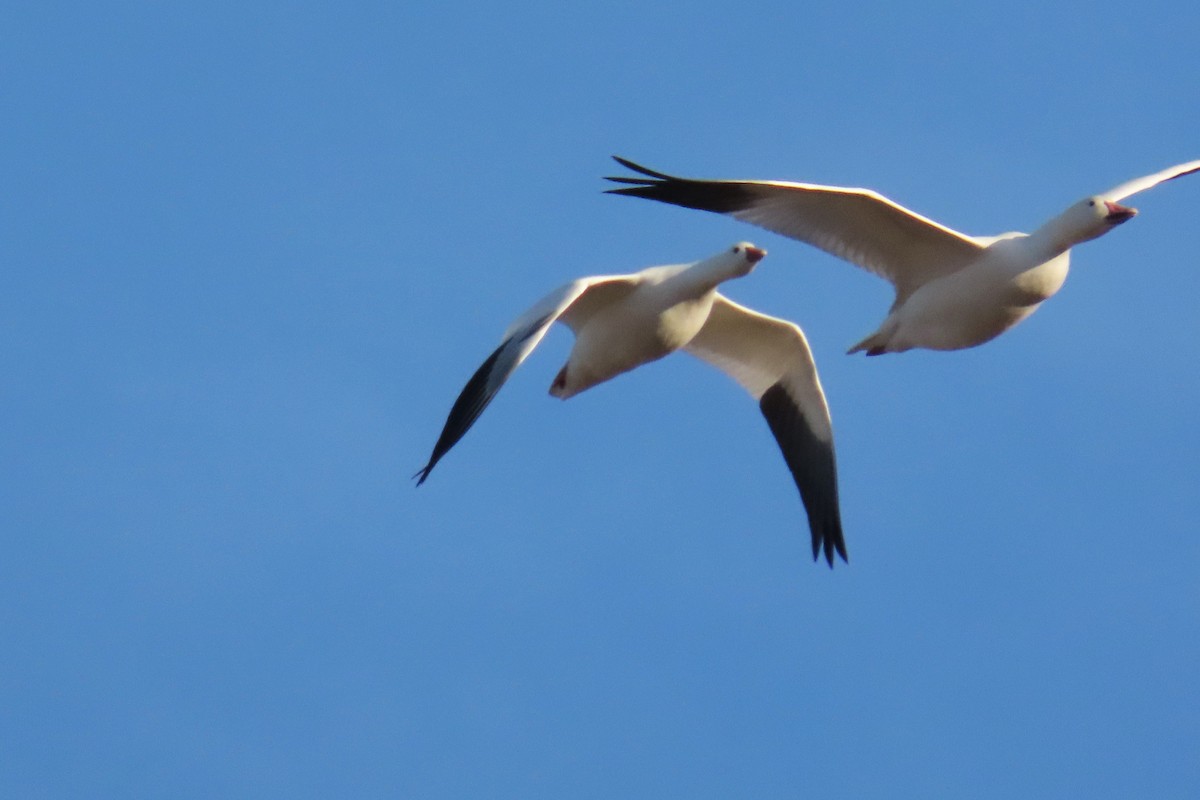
(1054,238)
(704,276)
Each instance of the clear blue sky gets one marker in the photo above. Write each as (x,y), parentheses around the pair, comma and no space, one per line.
(251,252)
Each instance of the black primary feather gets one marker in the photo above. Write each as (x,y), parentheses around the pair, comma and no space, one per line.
(814,469)
(721,197)
(479,391)
(466,409)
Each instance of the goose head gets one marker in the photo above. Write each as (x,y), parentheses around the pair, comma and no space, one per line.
(742,258)
(1092,217)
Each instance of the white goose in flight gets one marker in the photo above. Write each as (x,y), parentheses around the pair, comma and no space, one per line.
(623,321)
(953,291)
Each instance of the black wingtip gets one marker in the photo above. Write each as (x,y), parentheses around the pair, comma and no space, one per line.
(721,197)
(829,545)
(632,181)
(471,402)
(649,191)
(420,475)
(813,465)
(651,179)
(662,176)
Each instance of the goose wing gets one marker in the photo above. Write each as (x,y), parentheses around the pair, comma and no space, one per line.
(569,303)
(1142,184)
(771,360)
(858,225)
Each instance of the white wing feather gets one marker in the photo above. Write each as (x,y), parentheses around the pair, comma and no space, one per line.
(1142,184)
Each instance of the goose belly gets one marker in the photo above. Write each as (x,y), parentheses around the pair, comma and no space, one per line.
(973,306)
(619,340)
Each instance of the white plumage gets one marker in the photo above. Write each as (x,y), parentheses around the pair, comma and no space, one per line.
(953,291)
(623,321)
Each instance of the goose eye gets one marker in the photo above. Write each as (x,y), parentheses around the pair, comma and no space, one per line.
(1091,202)
(737,249)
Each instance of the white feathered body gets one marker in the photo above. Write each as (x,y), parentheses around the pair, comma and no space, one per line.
(665,312)
(976,304)
(953,291)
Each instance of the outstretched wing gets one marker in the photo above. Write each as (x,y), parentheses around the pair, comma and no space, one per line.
(519,340)
(770,358)
(1142,184)
(858,225)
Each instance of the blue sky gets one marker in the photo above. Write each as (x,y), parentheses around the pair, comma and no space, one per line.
(252,252)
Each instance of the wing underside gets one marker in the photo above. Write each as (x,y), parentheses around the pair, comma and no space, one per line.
(858,225)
